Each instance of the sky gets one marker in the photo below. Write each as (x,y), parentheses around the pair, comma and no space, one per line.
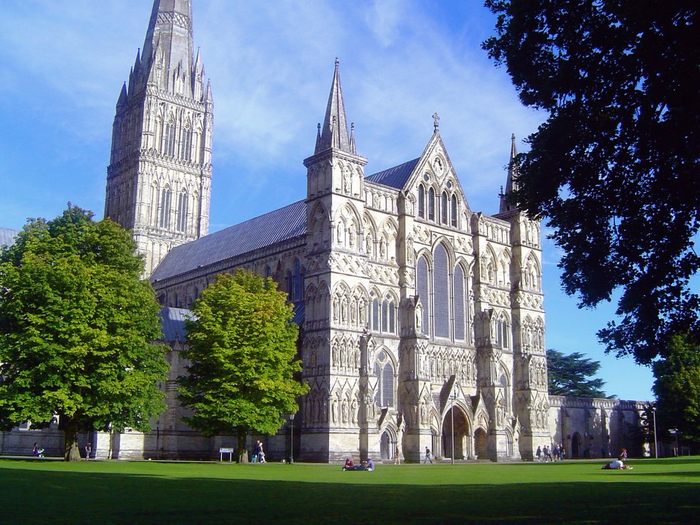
(270,64)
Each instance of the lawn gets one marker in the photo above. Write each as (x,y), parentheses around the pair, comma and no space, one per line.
(120,492)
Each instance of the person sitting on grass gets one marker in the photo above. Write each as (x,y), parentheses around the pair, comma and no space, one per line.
(349,463)
(369,466)
(38,451)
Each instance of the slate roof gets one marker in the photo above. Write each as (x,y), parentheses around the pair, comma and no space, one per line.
(265,230)
(396,177)
(172,322)
(7,236)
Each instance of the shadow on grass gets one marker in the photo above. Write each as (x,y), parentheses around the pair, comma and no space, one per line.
(36,496)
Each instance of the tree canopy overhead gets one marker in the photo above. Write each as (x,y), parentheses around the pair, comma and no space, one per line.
(241,348)
(77,326)
(614,169)
(572,375)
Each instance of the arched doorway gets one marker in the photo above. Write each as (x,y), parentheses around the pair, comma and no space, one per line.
(461,434)
(481,444)
(385,447)
(576,448)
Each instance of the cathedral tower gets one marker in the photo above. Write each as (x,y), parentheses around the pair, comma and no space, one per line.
(531,399)
(159,176)
(340,400)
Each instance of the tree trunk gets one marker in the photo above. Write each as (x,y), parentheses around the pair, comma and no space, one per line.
(242,433)
(71,451)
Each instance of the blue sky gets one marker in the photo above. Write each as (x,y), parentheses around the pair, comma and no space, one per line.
(270,65)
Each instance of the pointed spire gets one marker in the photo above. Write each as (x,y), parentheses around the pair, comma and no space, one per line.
(170,32)
(334,133)
(511,180)
(123,98)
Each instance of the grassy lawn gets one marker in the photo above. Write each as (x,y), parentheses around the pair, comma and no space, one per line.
(120,492)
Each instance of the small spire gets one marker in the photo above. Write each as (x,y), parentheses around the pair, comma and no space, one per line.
(511,179)
(436,122)
(352,138)
(334,132)
(123,97)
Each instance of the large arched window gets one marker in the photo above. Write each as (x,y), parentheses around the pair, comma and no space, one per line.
(421,201)
(441,293)
(384,371)
(460,311)
(422,289)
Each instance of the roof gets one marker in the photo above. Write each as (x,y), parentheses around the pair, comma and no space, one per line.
(7,236)
(172,321)
(265,230)
(396,177)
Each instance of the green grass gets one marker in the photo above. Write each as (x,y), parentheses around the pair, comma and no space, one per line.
(119,492)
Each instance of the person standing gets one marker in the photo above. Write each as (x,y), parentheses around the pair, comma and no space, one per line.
(428,457)
(397,456)
(88,450)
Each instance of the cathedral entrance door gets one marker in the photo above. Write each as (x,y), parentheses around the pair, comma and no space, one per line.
(461,434)
(481,443)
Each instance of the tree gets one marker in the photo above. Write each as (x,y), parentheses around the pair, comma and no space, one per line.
(614,167)
(77,326)
(677,387)
(571,375)
(241,348)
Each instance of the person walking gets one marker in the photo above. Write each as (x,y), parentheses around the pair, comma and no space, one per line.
(428,457)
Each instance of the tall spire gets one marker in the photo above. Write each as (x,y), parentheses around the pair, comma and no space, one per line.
(334,133)
(169,42)
(511,181)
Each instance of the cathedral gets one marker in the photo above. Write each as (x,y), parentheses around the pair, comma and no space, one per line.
(421,320)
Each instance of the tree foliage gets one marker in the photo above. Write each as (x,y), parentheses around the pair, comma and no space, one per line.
(677,387)
(614,169)
(572,375)
(77,326)
(241,349)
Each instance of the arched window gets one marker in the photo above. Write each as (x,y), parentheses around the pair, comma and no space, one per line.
(421,201)
(443,208)
(384,371)
(454,211)
(502,338)
(460,317)
(296,292)
(165,204)
(169,139)
(385,316)
(431,204)
(375,314)
(182,212)
(441,293)
(392,316)
(422,289)
(186,149)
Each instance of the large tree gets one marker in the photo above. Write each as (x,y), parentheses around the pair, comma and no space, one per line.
(242,354)
(573,375)
(614,169)
(677,387)
(77,326)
